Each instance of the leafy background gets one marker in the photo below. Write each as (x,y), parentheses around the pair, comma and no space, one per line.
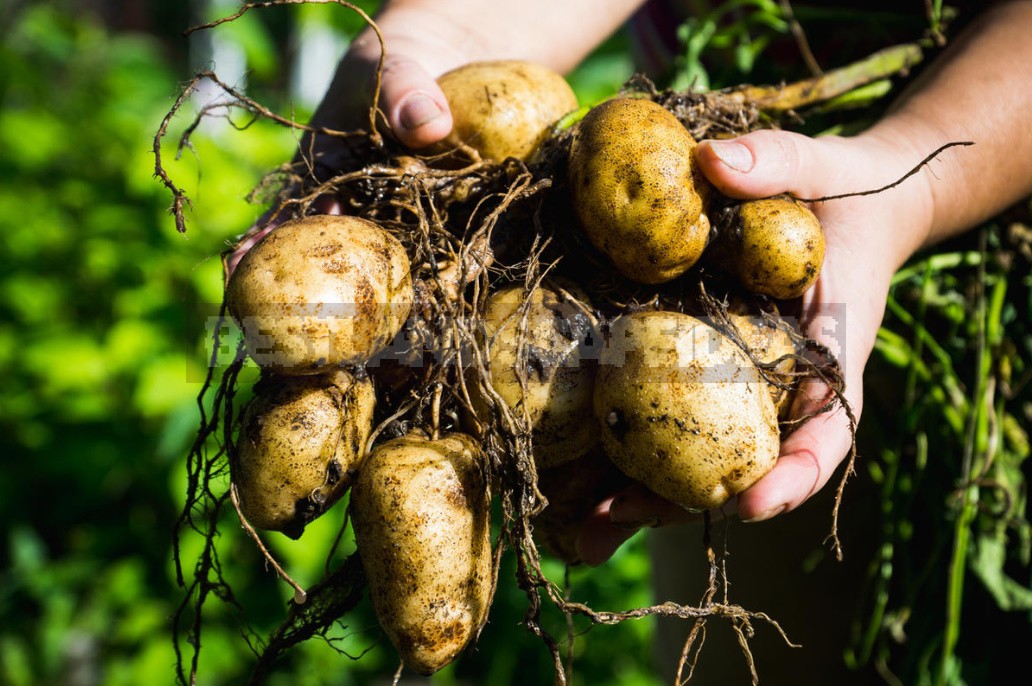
(106,314)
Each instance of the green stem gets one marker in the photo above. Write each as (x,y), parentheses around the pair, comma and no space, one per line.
(898,59)
(974,447)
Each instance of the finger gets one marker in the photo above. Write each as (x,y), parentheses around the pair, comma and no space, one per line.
(809,457)
(599,538)
(637,507)
(766,163)
(413,103)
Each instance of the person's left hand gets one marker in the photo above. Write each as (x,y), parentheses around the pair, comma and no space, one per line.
(867,238)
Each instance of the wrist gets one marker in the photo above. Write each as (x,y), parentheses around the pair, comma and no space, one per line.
(896,148)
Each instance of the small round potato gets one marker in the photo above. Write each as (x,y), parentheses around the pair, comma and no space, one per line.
(421,512)
(637,190)
(320,292)
(779,249)
(559,384)
(683,410)
(504,108)
(300,442)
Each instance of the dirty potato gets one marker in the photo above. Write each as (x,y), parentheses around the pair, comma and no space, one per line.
(683,410)
(421,515)
(320,292)
(770,343)
(637,191)
(301,440)
(504,108)
(557,384)
(777,248)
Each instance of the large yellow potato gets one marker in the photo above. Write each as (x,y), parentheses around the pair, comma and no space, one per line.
(683,410)
(559,384)
(421,514)
(778,248)
(300,441)
(505,108)
(320,292)
(637,190)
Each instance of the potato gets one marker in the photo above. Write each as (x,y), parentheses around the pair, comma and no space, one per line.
(421,514)
(320,292)
(559,384)
(637,191)
(301,440)
(573,489)
(504,108)
(778,247)
(683,410)
(768,344)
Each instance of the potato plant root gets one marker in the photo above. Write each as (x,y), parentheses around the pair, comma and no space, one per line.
(468,231)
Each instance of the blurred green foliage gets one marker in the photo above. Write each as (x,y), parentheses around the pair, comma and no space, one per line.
(103,309)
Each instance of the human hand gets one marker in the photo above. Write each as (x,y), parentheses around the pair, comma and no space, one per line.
(424,39)
(868,238)
(411,107)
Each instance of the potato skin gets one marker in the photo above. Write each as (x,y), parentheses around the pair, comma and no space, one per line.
(505,108)
(421,514)
(683,410)
(320,292)
(560,385)
(300,442)
(769,343)
(637,191)
(779,247)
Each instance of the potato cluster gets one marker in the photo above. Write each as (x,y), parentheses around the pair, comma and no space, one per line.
(609,392)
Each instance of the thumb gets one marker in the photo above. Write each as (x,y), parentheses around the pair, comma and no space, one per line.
(413,103)
(765,163)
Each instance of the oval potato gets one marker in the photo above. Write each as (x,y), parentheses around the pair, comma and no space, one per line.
(637,191)
(320,292)
(504,108)
(559,383)
(778,248)
(683,410)
(301,440)
(421,513)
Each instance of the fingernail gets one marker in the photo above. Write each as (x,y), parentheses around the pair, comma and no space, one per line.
(766,514)
(417,110)
(734,155)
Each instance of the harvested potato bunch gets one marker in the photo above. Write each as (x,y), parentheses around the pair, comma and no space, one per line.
(300,442)
(421,514)
(553,327)
(320,292)
(573,489)
(504,108)
(770,343)
(778,247)
(637,190)
(683,410)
